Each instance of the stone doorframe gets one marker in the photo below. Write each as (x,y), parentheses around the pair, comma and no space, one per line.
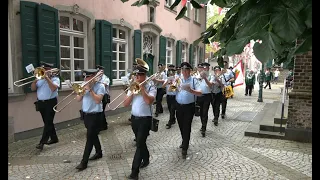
(154,30)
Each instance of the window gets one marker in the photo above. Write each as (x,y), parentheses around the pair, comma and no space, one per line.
(188,10)
(196,15)
(73,48)
(169,52)
(151,14)
(10,81)
(184,53)
(195,57)
(119,52)
(169,2)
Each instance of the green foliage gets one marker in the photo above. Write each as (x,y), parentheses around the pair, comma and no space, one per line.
(278,23)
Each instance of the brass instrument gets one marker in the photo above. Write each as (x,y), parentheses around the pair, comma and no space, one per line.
(175,85)
(227,90)
(194,72)
(79,90)
(38,73)
(134,86)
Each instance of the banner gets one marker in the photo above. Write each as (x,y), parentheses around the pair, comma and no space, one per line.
(239,76)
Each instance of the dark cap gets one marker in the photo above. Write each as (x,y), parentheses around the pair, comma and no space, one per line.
(171,66)
(205,64)
(230,67)
(186,65)
(140,69)
(47,65)
(160,64)
(99,67)
(88,72)
(226,61)
(200,65)
(178,68)
(217,67)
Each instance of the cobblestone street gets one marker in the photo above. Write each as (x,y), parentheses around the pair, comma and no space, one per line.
(225,153)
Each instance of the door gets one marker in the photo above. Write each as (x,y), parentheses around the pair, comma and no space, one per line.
(148,58)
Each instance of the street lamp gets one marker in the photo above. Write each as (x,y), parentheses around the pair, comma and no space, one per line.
(261,80)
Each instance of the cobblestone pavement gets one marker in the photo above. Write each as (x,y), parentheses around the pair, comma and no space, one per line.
(225,153)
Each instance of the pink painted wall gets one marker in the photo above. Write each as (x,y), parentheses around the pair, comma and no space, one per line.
(115,9)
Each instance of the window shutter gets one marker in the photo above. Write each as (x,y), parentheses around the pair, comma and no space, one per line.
(29,37)
(49,45)
(162,50)
(137,44)
(178,53)
(104,46)
(191,54)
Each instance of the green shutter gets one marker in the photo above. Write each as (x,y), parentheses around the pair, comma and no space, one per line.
(191,54)
(104,46)
(178,53)
(137,44)
(49,45)
(162,50)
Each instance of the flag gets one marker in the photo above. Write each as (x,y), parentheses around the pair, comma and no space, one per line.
(238,71)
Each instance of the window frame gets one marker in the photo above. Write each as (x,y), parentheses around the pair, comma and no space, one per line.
(10,78)
(121,41)
(149,13)
(169,49)
(184,58)
(187,14)
(196,15)
(169,4)
(195,56)
(72,33)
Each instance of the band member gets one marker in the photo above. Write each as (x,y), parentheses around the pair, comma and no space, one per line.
(47,93)
(204,101)
(227,78)
(92,113)
(106,98)
(160,91)
(216,93)
(171,95)
(186,105)
(178,72)
(141,117)
(250,81)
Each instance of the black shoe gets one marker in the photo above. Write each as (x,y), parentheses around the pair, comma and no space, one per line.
(249,94)
(104,128)
(216,123)
(156,115)
(173,122)
(168,126)
(40,146)
(52,141)
(144,164)
(180,146)
(96,156)
(129,119)
(203,133)
(82,166)
(184,154)
(133,176)
(246,94)
(222,116)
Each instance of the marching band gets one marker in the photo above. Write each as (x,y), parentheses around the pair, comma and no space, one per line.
(188,91)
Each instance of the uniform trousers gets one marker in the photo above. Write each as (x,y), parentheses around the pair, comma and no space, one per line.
(92,122)
(140,127)
(204,103)
(47,113)
(215,103)
(104,120)
(185,113)
(249,89)
(172,103)
(160,93)
(223,104)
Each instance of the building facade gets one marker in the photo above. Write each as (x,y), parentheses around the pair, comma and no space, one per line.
(74,35)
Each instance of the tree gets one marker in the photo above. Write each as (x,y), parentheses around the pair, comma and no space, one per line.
(277,23)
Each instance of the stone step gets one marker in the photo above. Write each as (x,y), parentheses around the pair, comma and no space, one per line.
(265,134)
(267,122)
(277,118)
(272,128)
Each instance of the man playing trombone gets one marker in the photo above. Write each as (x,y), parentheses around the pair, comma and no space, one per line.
(160,91)
(141,117)
(47,92)
(91,114)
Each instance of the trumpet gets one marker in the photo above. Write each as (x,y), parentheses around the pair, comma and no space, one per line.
(79,90)
(38,73)
(134,86)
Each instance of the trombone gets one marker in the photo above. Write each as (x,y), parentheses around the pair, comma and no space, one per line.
(78,90)
(38,73)
(134,86)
